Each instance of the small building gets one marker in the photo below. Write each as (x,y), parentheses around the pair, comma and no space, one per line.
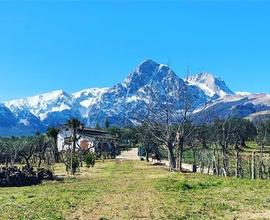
(88,139)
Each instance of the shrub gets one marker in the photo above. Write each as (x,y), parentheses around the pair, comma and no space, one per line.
(90,159)
(14,176)
(75,163)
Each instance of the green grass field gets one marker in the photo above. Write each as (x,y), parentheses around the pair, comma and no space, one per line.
(137,190)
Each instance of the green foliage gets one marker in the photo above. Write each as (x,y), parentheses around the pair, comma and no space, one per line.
(90,159)
(53,133)
(263,136)
(184,185)
(127,135)
(74,158)
(23,149)
(74,123)
(107,123)
(97,126)
(234,131)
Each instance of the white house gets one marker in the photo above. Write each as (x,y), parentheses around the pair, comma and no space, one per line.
(89,139)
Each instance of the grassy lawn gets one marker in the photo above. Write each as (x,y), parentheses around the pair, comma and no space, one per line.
(136,190)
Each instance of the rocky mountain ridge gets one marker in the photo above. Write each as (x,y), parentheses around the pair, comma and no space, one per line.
(119,103)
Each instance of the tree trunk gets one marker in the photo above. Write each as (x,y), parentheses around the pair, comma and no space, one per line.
(180,154)
(243,143)
(171,158)
(39,162)
(177,158)
(73,152)
(81,159)
(214,162)
(12,160)
(27,162)
(225,161)
(218,165)
(6,162)
(147,155)
(268,170)
(194,166)
(56,152)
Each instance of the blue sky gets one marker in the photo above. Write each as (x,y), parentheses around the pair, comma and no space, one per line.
(75,45)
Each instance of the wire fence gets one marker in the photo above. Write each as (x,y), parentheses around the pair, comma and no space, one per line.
(234,163)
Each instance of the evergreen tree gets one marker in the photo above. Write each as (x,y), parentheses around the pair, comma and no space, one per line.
(97,126)
(53,134)
(107,123)
(74,124)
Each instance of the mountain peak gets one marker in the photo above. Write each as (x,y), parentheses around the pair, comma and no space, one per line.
(147,66)
(54,94)
(211,85)
(91,92)
(122,102)
(202,77)
(147,71)
(148,62)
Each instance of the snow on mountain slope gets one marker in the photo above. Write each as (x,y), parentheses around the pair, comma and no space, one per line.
(41,105)
(88,97)
(11,125)
(7,119)
(149,83)
(123,104)
(243,93)
(213,87)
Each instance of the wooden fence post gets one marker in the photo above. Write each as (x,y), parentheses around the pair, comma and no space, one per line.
(261,163)
(218,165)
(253,166)
(269,170)
(237,164)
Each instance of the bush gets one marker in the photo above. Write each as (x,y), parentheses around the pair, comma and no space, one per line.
(75,163)
(14,176)
(90,159)
(45,174)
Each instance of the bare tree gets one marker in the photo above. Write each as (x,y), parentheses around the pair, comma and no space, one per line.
(169,116)
(263,138)
(146,138)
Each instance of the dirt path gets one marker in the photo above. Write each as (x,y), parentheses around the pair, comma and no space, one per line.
(131,189)
(128,193)
(131,154)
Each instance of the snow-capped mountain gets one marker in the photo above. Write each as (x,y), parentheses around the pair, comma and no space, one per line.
(48,109)
(42,105)
(86,98)
(212,86)
(125,102)
(6,116)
